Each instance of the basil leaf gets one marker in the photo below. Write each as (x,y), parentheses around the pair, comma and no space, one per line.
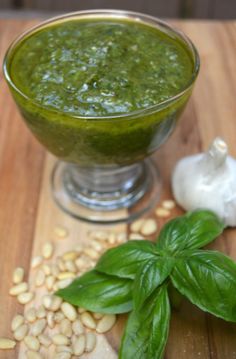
(149,277)
(192,231)
(146,331)
(99,293)
(174,235)
(208,280)
(124,261)
(160,325)
(204,226)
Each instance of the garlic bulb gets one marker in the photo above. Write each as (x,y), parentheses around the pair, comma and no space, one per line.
(208,180)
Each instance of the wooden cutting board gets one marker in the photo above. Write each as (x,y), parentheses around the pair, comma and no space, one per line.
(28,214)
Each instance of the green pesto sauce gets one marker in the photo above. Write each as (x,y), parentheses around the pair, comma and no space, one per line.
(100,67)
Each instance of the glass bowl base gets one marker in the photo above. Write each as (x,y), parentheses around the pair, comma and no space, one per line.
(106,195)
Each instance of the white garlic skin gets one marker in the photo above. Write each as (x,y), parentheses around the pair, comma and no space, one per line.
(208,180)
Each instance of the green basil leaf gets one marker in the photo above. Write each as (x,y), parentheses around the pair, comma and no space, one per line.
(124,261)
(208,280)
(174,235)
(149,277)
(204,226)
(99,293)
(146,331)
(160,325)
(191,231)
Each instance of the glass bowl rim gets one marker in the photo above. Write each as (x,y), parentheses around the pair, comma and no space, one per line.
(120,14)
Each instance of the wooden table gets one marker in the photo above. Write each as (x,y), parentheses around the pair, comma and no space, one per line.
(28,214)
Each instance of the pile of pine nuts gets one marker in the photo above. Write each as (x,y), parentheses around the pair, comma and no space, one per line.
(56,325)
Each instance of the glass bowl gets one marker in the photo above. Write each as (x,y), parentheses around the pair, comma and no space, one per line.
(104,174)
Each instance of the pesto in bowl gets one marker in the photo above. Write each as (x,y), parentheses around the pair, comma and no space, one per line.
(101,90)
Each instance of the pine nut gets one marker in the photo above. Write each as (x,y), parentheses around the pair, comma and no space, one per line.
(137,225)
(50,320)
(62,355)
(87,320)
(18,289)
(77,327)
(17,321)
(79,345)
(49,282)
(55,287)
(80,263)
(65,275)
(60,232)
(56,303)
(64,283)
(44,340)
(79,248)
(18,275)
(30,315)
(66,328)
(81,310)
(47,269)
(168,204)
(89,263)
(47,250)
(25,298)
(91,253)
(136,236)
(47,301)
(73,338)
(63,348)
(58,317)
(36,261)
(6,343)
(21,332)
(33,355)
(98,315)
(71,255)
(149,227)
(38,327)
(112,238)
(121,237)
(55,270)
(69,311)
(32,342)
(96,245)
(90,342)
(162,212)
(61,264)
(60,339)
(100,235)
(40,278)
(70,266)
(106,323)
(41,312)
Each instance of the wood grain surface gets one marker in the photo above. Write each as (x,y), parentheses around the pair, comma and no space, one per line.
(210,9)
(28,214)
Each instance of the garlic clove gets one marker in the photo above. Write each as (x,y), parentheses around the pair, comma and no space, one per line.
(207,180)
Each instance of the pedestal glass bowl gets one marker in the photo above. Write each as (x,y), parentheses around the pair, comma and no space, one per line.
(104,174)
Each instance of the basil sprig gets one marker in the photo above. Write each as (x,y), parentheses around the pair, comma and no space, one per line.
(138,276)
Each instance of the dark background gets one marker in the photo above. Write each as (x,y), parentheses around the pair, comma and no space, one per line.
(210,9)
